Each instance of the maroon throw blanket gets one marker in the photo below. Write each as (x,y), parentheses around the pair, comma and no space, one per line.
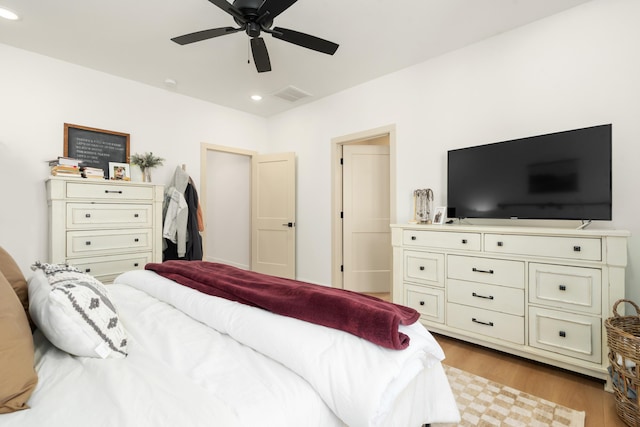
(364,316)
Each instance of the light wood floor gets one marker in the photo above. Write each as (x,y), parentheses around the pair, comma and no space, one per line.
(557,385)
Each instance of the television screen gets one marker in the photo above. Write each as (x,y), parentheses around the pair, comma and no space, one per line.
(563,175)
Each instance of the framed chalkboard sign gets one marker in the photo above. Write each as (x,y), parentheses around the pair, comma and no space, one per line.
(95,147)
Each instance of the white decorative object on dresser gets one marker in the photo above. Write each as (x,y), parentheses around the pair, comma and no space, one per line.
(104,227)
(539,293)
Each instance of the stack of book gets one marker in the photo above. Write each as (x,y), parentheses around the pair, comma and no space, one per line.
(61,170)
(92,173)
(65,161)
(65,166)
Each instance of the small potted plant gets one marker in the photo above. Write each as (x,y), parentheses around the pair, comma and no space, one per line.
(145,162)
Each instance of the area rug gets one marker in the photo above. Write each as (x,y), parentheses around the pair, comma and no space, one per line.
(486,403)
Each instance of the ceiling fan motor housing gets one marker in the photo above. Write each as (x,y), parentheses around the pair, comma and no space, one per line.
(254,23)
(248,4)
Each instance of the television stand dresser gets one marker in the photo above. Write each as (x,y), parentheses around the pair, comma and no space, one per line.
(538,293)
(104,227)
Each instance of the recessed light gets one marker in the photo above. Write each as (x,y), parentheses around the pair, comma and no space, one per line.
(7,14)
(256,97)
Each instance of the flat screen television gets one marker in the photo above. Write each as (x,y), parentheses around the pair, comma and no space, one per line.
(562,175)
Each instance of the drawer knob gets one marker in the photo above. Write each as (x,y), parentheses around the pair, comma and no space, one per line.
(473,294)
(477,270)
(577,248)
(563,334)
(87,243)
(87,215)
(474,320)
(113,191)
(87,270)
(414,238)
(500,244)
(421,268)
(135,264)
(421,302)
(562,287)
(464,241)
(136,240)
(136,215)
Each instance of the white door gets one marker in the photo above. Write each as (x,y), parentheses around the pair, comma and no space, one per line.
(367,254)
(273,214)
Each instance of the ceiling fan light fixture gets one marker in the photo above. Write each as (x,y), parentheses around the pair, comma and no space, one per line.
(8,14)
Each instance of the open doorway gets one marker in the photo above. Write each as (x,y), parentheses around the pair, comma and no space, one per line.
(248,201)
(226,207)
(361,246)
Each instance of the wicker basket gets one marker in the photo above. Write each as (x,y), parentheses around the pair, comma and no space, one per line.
(623,338)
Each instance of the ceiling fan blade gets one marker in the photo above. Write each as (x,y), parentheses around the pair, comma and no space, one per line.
(229,8)
(274,7)
(305,40)
(204,35)
(260,55)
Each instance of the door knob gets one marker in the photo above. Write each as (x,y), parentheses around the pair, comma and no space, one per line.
(288,224)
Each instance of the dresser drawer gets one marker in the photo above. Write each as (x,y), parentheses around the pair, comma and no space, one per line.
(581,248)
(427,301)
(443,240)
(84,190)
(424,267)
(569,334)
(87,243)
(486,270)
(502,326)
(490,297)
(86,215)
(573,288)
(106,268)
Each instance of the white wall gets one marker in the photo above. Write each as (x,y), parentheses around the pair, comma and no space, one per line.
(228,217)
(576,69)
(39,94)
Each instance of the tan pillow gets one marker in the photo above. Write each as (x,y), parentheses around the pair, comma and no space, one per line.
(18,377)
(11,271)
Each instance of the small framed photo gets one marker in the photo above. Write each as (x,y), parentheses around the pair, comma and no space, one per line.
(440,215)
(119,171)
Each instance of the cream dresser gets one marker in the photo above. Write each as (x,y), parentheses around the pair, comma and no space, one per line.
(104,227)
(539,293)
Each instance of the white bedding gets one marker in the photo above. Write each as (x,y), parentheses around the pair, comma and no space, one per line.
(228,369)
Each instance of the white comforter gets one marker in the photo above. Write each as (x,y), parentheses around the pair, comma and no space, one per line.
(181,372)
(359,381)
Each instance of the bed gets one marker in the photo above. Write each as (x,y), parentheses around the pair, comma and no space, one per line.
(192,359)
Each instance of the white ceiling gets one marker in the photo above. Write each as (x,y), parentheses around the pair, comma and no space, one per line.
(131,39)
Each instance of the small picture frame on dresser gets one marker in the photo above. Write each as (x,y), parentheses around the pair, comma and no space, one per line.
(440,215)
(119,171)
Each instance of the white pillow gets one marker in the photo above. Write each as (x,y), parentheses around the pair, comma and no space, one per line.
(74,312)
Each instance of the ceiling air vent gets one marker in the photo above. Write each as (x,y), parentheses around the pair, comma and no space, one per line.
(291,94)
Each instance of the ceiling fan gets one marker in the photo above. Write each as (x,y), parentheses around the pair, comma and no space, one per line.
(254,17)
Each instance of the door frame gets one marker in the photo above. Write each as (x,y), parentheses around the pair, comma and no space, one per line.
(337,280)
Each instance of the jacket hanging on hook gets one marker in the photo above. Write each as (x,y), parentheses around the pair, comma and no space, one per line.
(180,219)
